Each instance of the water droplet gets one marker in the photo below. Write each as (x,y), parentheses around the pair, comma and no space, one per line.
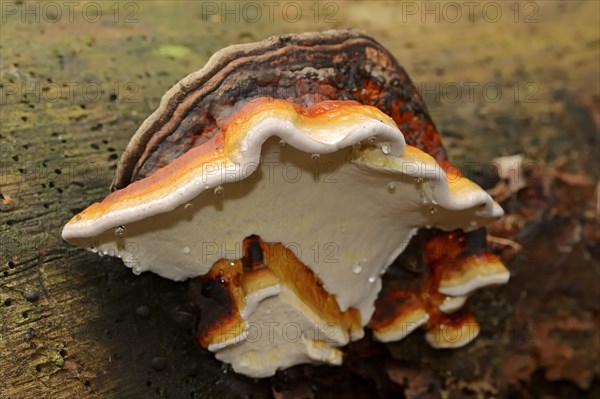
(424,199)
(282,143)
(386,149)
(419,180)
(315,157)
(94,249)
(372,279)
(433,210)
(434,202)
(187,206)
(186,250)
(120,231)
(357,145)
(231,264)
(391,187)
(372,140)
(357,268)
(219,191)
(136,270)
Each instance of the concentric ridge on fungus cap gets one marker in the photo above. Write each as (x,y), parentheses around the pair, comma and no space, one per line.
(304,69)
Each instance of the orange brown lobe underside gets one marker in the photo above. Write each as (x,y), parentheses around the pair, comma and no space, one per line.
(446,255)
(220,294)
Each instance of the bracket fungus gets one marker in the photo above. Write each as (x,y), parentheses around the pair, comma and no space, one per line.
(284,178)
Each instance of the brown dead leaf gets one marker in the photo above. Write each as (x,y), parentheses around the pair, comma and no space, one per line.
(416,380)
(518,367)
(558,352)
(579,179)
(481,386)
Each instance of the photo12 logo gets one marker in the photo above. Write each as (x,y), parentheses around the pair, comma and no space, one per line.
(71,92)
(468,11)
(479,92)
(269,11)
(69,11)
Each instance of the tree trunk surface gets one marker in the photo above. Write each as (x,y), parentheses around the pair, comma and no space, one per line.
(499,78)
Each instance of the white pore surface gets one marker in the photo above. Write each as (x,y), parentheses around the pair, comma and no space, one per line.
(344,219)
(280,333)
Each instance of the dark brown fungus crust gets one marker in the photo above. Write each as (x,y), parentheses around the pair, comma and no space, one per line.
(212,296)
(253,254)
(304,69)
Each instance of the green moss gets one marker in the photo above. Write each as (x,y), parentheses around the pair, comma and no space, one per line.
(172,51)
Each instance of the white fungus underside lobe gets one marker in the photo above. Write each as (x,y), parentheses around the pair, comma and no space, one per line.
(476,283)
(406,328)
(244,156)
(338,214)
(281,333)
(452,304)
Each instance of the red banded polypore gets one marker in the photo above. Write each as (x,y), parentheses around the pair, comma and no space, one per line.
(334,183)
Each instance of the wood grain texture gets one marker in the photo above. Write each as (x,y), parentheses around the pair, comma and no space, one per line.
(74,91)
